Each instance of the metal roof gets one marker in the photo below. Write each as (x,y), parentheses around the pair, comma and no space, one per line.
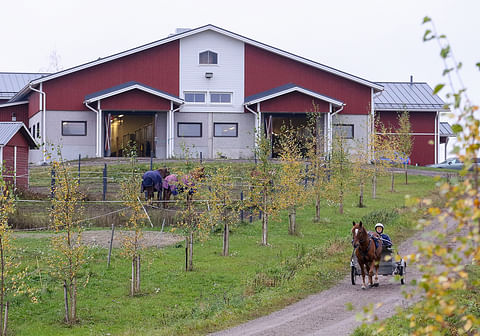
(132,85)
(445,129)
(287,88)
(410,96)
(9,128)
(12,82)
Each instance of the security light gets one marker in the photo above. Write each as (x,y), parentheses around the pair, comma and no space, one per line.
(208,75)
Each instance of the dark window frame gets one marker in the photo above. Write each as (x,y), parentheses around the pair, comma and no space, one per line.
(38,129)
(77,122)
(353,130)
(209,57)
(189,123)
(225,136)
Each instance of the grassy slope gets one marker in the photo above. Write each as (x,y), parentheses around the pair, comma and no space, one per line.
(220,292)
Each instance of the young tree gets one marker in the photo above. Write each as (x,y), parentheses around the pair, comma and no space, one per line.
(404,139)
(136,216)
(341,171)
(262,194)
(222,204)
(7,207)
(318,171)
(292,185)
(66,214)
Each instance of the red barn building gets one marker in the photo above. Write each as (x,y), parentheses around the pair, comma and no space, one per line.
(15,143)
(207,89)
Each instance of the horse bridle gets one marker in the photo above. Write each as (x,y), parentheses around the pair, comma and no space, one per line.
(359,245)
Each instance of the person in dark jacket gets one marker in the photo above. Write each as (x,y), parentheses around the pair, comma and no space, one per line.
(387,242)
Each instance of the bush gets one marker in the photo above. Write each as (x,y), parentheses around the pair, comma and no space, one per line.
(385,216)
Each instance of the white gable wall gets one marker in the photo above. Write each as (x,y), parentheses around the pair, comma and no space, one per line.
(228,74)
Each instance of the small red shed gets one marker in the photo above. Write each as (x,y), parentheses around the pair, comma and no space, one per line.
(15,141)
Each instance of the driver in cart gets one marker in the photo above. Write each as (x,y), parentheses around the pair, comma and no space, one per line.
(386,241)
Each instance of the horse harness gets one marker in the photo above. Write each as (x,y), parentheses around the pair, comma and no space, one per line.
(364,254)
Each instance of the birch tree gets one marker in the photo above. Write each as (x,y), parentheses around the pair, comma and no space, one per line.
(7,207)
(66,214)
(222,206)
(292,186)
(404,139)
(136,217)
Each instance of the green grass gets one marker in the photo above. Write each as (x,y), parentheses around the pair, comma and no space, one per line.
(222,291)
(398,325)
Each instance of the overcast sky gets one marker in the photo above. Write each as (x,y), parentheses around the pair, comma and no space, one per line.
(379,40)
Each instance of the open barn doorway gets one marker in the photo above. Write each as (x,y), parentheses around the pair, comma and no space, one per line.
(273,123)
(122,127)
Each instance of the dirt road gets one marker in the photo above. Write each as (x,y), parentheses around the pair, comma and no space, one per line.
(326,314)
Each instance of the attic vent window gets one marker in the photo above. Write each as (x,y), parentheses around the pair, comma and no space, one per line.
(208,57)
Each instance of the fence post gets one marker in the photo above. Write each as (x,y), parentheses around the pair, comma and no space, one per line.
(201,157)
(241,211)
(255,157)
(79,158)
(105,182)
(151,160)
(111,245)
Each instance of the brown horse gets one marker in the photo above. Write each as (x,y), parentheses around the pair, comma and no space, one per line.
(368,256)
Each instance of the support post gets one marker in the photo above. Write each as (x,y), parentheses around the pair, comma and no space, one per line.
(111,245)
(241,211)
(79,159)
(105,182)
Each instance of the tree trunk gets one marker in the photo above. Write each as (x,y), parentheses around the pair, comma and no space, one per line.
(374,186)
(360,198)
(317,209)
(292,221)
(132,285)
(137,283)
(406,174)
(190,252)
(340,209)
(226,234)
(73,301)
(265,220)
(5,320)
(265,229)
(392,188)
(65,297)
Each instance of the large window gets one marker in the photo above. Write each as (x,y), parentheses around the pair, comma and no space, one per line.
(226,129)
(345,131)
(221,97)
(208,57)
(195,97)
(189,130)
(70,128)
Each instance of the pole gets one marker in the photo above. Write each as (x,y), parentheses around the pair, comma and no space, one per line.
(52,184)
(110,247)
(151,160)
(201,157)
(105,182)
(79,158)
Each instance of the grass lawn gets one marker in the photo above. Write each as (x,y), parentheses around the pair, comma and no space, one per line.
(221,291)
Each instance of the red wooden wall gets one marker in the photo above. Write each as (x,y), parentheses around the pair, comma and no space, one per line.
(423,152)
(22,160)
(156,67)
(293,102)
(265,70)
(21,112)
(135,100)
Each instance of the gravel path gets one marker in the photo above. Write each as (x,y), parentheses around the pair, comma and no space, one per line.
(325,313)
(101,238)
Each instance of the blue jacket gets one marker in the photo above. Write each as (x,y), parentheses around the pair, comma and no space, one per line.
(152,178)
(386,241)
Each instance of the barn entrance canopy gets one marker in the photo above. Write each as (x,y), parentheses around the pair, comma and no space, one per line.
(290,104)
(134,111)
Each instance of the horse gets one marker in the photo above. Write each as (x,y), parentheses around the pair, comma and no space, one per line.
(368,255)
(152,182)
(172,186)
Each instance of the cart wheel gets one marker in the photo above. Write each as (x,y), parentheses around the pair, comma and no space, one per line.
(353,275)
